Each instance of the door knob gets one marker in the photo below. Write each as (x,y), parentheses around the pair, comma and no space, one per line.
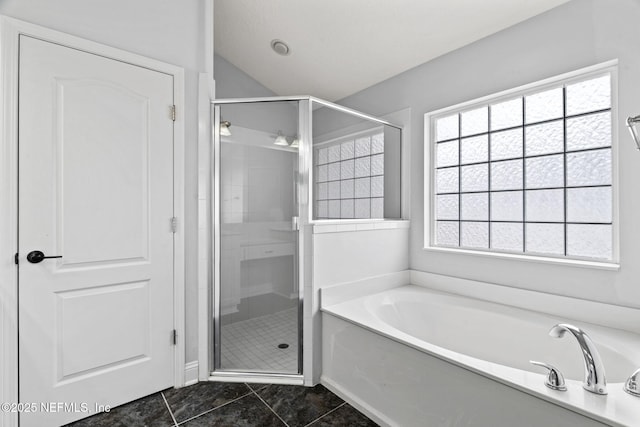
(35,257)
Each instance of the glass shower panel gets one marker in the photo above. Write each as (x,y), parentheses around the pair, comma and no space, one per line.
(258,314)
(356,165)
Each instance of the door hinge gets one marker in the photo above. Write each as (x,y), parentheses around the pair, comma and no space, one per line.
(174,224)
(16,258)
(174,337)
(295,223)
(173,113)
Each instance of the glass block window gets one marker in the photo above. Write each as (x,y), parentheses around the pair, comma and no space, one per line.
(528,173)
(349,178)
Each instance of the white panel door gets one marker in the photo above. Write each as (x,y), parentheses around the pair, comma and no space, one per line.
(96,188)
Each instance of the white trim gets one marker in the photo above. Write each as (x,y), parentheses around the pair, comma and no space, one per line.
(179,170)
(9,219)
(209,46)
(206,93)
(205,279)
(232,377)
(615,173)
(10,30)
(569,262)
(610,67)
(347,225)
(191,373)
(524,90)
(428,228)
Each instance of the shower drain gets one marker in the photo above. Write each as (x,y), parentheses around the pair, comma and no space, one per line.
(283,345)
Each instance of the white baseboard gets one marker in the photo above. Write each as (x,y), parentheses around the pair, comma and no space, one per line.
(191,373)
(229,309)
(255,290)
(288,295)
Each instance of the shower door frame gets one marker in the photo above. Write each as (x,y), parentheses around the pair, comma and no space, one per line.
(210,291)
(214,320)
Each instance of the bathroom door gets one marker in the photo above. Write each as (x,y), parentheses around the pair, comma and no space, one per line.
(257,306)
(95,190)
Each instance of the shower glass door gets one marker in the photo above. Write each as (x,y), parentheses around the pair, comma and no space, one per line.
(256,298)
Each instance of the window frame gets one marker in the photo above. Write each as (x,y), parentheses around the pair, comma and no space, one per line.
(429,145)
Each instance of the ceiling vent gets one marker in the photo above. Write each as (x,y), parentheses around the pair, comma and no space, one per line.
(279,47)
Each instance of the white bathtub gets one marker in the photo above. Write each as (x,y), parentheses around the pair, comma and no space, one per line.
(397,355)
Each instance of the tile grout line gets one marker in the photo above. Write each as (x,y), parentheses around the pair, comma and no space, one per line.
(324,415)
(263,386)
(175,422)
(271,409)
(213,409)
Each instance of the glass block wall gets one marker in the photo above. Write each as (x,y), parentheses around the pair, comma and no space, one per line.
(349,178)
(531,174)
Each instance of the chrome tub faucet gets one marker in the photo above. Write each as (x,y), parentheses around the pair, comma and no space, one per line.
(594,376)
(632,385)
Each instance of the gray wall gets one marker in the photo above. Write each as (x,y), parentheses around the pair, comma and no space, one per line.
(575,35)
(231,82)
(165,30)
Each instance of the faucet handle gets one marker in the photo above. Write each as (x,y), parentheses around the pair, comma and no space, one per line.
(555,379)
(632,386)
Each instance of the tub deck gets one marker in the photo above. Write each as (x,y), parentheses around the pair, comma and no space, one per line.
(496,342)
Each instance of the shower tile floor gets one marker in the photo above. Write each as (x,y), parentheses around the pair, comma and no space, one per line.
(252,345)
(234,404)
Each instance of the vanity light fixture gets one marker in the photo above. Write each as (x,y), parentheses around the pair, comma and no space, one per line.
(631,123)
(281,140)
(224,128)
(295,143)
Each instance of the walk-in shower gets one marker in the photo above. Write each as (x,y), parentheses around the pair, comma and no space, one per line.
(280,165)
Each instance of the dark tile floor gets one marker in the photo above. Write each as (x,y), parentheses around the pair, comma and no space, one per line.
(229,404)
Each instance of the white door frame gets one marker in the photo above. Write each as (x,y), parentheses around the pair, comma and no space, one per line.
(10,30)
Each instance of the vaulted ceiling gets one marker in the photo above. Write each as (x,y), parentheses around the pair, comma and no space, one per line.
(339,47)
